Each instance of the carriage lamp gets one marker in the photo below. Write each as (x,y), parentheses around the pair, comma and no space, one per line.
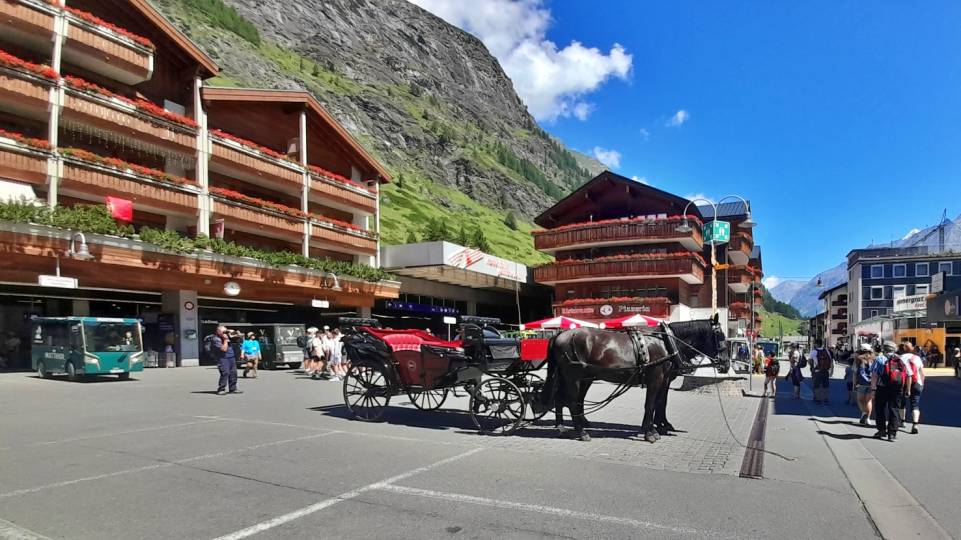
(82,253)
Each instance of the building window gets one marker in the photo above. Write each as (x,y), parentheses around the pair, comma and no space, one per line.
(945,267)
(877,293)
(898,291)
(921,269)
(877,271)
(899,270)
(874,313)
(924,288)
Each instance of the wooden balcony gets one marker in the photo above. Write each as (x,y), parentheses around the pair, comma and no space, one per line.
(84,110)
(341,196)
(22,163)
(336,239)
(739,279)
(628,232)
(739,248)
(84,180)
(239,161)
(106,51)
(24,94)
(28,24)
(688,269)
(258,221)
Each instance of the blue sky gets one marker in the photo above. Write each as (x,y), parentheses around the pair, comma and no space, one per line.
(841,121)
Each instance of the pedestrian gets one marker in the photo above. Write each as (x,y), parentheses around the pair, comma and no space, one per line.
(772,368)
(336,356)
(822,366)
(314,353)
(889,376)
(758,359)
(251,354)
(796,360)
(862,381)
(225,351)
(326,346)
(849,383)
(915,365)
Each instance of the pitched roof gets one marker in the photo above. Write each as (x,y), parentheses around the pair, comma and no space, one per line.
(261,95)
(724,210)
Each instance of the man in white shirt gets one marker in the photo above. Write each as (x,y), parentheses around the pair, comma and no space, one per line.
(916,368)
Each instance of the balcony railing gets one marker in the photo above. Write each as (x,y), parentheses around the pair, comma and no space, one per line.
(618,232)
(839,316)
(258,220)
(840,303)
(84,178)
(689,269)
(248,163)
(107,50)
(323,235)
(739,248)
(342,195)
(739,279)
(28,24)
(115,118)
(22,159)
(25,92)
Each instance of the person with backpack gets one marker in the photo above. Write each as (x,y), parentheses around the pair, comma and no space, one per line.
(822,365)
(889,379)
(862,381)
(772,368)
(915,365)
(794,375)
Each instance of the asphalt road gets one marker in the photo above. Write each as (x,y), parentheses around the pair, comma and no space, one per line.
(161,456)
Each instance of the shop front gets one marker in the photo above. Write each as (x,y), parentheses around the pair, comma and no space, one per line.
(945,309)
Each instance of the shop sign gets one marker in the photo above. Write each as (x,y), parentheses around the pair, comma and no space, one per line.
(937,282)
(476,260)
(915,302)
(61,282)
(613,310)
(414,307)
(945,307)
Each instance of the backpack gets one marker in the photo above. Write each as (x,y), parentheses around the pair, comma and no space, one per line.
(864,375)
(803,362)
(895,373)
(824,360)
(302,342)
(773,370)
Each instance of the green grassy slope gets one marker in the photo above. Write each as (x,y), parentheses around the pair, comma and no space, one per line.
(770,325)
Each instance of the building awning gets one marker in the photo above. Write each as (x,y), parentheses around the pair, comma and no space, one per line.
(449,263)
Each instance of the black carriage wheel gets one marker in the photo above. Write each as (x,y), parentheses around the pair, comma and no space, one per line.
(428,400)
(497,406)
(531,385)
(366,392)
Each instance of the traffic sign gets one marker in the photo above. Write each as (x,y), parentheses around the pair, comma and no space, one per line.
(717,232)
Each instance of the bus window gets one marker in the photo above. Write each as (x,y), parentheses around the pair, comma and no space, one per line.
(112,337)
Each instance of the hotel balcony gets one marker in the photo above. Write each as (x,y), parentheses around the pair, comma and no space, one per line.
(28,24)
(341,194)
(688,269)
(25,89)
(739,248)
(83,177)
(106,50)
(332,237)
(116,119)
(739,279)
(839,316)
(22,162)
(251,219)
(618,233)
(245,162)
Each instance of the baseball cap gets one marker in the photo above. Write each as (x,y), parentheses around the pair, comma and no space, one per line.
(326,328)
(890,346)
(312,330)
(865,347)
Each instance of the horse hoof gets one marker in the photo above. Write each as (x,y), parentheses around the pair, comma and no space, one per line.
(584,437)
(651,437)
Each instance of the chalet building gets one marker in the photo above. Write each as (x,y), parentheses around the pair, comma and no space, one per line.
(105,98)
(835,315)
(619,249)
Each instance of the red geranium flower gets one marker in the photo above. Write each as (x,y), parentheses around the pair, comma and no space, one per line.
(39,144)
(120,164)
(93,19)
(9,60)
(141,105)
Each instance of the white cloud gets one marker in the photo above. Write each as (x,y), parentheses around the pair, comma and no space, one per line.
(553,81)
(770,282)
(911,233)
(679,118)
(645,134)
(641,179)
(611,158)
(702,197)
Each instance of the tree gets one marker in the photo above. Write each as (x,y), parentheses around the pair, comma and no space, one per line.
(400,181)
(301,63)
(411,237)
(479,241)
(316,72)
(462,237)
(436,230)
(511,220)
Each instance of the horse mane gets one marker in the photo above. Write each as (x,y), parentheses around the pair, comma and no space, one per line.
(694,333)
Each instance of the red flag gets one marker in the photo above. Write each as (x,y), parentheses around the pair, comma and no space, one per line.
(120,209)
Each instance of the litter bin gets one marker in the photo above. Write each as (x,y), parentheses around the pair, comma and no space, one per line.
(170,359)
(153,359)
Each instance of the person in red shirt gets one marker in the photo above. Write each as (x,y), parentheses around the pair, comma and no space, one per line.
(771,370)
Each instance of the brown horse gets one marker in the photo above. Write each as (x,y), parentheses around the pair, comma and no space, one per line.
(650,357)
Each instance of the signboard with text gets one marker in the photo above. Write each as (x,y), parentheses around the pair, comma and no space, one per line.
(612,310)
(915,302)
(937,282)
(476,260)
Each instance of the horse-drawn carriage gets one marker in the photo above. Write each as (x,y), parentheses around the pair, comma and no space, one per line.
(486,366)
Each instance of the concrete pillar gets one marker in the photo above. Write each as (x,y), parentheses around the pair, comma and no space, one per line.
(305,189)
(81,308)
(183,306)
(363,312)
(204,206)
(472,307)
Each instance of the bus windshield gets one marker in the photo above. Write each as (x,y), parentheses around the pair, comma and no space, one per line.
(111,337)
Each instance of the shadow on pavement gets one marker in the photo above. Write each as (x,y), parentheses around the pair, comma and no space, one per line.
(86,379)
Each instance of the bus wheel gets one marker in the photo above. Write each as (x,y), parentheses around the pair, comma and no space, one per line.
(42,371)
(72,372)
(123,376)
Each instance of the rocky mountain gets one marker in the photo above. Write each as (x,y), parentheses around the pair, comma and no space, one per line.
(424,97)
(786,290)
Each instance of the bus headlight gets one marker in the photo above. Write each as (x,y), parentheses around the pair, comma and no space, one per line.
(136,358)
(91,360)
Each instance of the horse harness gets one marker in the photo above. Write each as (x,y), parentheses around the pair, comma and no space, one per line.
(642,357)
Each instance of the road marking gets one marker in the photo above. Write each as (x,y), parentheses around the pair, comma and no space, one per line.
(113,434)
(12,531)
(26,491)
(550,510)
(346,496)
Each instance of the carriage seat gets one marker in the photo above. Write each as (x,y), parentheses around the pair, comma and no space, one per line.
(403,342)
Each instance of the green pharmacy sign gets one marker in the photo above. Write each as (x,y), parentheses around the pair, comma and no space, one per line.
(717,232)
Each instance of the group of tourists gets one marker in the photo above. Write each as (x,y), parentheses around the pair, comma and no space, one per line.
(884,382)
(324,354)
